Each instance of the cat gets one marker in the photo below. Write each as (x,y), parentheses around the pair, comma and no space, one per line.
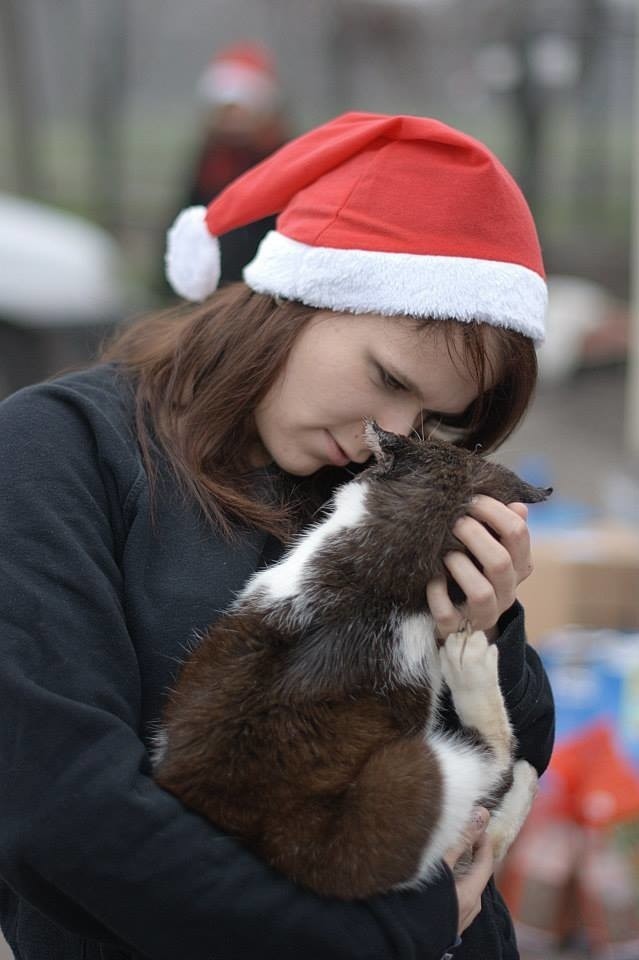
(305,722)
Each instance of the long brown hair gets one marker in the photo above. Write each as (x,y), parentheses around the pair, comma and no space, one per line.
(200,371)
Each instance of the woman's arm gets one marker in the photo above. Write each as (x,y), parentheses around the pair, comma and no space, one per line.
(526,690)
(88,838)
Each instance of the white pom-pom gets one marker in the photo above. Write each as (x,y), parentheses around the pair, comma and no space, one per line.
(192,256)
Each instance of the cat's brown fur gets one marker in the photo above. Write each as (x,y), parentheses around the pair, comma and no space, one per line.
(302,725)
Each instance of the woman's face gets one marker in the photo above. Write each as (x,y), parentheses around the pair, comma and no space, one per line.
(345,368)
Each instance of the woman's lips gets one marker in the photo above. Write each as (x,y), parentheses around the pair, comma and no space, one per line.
(335,453)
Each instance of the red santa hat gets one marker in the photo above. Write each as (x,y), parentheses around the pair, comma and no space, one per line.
(393,215)
(243,73)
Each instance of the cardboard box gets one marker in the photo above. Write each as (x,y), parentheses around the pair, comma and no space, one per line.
(586,576)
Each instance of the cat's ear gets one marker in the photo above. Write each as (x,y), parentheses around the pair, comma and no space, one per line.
(498,481)
(383,445)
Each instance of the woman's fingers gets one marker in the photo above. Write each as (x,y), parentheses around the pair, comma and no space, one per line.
(448,618)
(471,886)
(496,562)
(498,559)
(484,599)
(509,526)
(471,836)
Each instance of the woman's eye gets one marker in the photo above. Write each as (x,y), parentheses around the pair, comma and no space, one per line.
(390,381)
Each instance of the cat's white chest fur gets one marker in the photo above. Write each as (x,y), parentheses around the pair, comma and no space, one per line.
(416,659)
(283,581)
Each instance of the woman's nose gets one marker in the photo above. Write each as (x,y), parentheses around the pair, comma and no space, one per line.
(400,420)
(397,420)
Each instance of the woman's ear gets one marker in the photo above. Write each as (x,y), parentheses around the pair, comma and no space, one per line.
(383,445)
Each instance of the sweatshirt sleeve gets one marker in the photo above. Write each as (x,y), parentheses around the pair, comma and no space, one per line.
(87,837)
(527,691)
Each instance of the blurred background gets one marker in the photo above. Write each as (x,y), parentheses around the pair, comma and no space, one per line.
(113,116)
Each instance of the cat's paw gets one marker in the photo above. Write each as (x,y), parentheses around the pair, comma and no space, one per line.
(470,668)
(469,661)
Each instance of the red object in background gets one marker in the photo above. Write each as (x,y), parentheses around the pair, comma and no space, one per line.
(598,786)
(575,865)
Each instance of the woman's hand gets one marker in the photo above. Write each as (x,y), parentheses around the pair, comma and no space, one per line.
(471,884)
(503,553)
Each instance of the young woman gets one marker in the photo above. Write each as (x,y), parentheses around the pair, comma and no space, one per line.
(404,282)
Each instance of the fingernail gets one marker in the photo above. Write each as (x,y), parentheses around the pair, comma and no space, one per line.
(480,818)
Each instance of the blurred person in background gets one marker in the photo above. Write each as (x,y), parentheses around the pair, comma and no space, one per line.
(404,283)
(243,123)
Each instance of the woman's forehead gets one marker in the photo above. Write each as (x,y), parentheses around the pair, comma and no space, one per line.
(417,342)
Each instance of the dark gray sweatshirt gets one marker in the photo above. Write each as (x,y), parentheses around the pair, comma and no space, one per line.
(97,605)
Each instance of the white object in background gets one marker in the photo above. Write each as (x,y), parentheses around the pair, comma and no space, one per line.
(576,308)
(56,269)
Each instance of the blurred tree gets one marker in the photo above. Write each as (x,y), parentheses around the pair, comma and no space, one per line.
(593,28)
(384,36)
(20,71)
(109,91)
(100,31)
(528,101)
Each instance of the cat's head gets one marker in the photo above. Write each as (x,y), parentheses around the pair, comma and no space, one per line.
(439,465)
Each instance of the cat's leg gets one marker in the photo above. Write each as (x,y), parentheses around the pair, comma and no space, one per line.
(467,774)
(507,819)
(470,668)
(470,768)
(390,827)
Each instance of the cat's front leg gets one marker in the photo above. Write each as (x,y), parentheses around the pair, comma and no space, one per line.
(470,669)
(507,820)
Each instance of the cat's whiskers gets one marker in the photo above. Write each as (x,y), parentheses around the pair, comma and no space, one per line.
(436,427)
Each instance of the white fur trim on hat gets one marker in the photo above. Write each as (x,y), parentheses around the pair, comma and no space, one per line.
(192,255)
(393,284)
